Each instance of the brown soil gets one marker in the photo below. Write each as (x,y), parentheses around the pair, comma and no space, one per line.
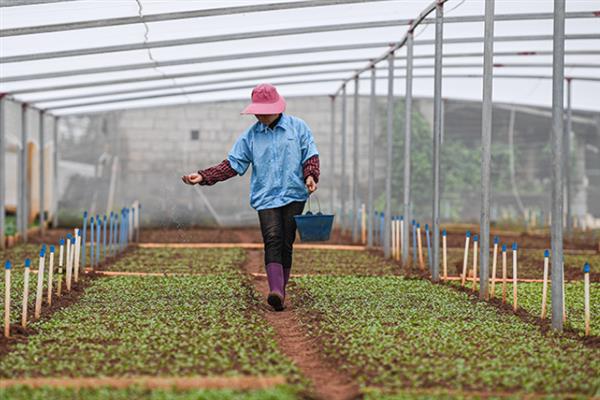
(153,382)
(294,341)
(525,316)
(19,334)
(51,236)
(456,238)
(244,245)
(218,235)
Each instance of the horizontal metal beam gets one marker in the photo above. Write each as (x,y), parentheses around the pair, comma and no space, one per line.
(184,75)
(518,38)
(172,16)
(196,60)
(112,82)
(308,81)
(198,40)
(220,38)
(281,75)
(15,3)
(273,53)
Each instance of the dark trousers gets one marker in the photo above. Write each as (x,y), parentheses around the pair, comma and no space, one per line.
(278,229)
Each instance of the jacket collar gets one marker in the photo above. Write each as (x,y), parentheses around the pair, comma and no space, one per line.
(284,122)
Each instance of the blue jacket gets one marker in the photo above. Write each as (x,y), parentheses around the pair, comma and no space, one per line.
(277,156)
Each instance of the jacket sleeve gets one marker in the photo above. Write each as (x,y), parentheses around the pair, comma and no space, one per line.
(218,173)
(312,168)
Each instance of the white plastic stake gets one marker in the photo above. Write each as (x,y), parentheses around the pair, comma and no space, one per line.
(68,262)
(50,275)
(398,241)
(402,235)
(494,264)
(545,284)
(420,247)
(40,286)
(563,296)
(504,278)
(515,304)
(76,256)
(25,293)
(586,297)
(363,222)
(445,254)
(7,268)
(71,262)
(60,267)
(465,259)
(393,238)
(475,245)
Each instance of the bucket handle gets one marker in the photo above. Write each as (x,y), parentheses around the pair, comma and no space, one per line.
(309,203)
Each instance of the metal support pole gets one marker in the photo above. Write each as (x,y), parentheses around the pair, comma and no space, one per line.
(55,185)
(332,154)
(370,200)
(567,162)
(355,201)
(437,135)
(2,171)
(23,218)
(388,171)
(558,74)
(343,180)
(486,147)
(407,146)
(42,188)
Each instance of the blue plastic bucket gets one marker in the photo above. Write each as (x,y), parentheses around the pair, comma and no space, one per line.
(314,227)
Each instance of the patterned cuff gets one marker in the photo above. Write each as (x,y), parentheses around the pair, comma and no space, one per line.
(218,173)
(311,168)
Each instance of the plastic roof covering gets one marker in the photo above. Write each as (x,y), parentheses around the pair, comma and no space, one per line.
(524,91)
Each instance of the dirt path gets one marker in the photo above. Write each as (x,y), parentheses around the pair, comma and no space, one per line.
(328,382)
(152,382)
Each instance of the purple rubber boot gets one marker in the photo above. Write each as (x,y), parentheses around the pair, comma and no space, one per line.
(286,278)
(276,288)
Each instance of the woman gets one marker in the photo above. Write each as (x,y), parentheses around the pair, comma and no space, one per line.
(285,170)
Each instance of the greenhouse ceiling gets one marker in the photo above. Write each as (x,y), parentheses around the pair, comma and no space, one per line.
(81,56)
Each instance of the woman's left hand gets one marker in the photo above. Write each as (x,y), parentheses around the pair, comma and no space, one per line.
(311,184)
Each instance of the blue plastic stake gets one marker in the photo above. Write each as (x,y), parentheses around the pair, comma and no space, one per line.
(110,230)
(133,223)
(429,255)
(115,230)
(381,228)
(104,236)
(92,244)
(98,238)
(122,230)
(83,240)
(375,230)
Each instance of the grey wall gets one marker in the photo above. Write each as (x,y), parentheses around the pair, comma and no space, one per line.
(154,149)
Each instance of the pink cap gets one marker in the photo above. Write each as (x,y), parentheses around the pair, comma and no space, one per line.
(265,101)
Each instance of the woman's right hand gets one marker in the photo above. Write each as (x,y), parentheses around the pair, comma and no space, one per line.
(192,178)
